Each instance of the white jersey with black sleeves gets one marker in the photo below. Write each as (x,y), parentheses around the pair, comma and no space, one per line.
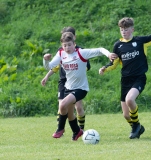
(75,65)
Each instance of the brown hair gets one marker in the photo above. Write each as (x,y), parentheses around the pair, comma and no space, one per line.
(126,22)
(66,37)
(68,29)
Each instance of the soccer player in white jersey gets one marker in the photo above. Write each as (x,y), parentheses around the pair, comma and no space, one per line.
(61,85)
(74,63)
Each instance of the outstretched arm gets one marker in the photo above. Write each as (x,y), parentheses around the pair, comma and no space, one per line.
(50,73)
(111,56)
(102,70)
(45,79)
(110,66)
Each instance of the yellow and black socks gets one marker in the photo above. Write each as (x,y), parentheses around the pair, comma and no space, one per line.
(81,121)
(130,122)
(134,115)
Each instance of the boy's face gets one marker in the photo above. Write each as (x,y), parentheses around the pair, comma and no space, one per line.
(68,47)
(127,33)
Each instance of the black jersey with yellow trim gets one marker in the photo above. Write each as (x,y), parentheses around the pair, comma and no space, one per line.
(132,56)
(62,72)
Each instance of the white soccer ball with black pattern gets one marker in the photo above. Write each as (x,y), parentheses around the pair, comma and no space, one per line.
(91,136)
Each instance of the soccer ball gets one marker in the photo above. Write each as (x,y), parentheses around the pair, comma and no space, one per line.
(91,136)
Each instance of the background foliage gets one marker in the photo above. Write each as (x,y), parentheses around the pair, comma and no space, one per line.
(31,28)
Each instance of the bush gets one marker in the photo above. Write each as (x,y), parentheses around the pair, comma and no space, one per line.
(29,29)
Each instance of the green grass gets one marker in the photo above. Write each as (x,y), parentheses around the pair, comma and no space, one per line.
(30,139)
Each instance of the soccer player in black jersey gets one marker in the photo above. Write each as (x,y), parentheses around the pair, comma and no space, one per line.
(61,83)
(131,52)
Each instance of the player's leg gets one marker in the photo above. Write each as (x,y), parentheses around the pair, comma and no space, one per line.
(58,113)
(79,95)
(80,114)
(68,101)
(131,87)
(67,107)
(125,87)
(137,128)
(60,127)
(60,130)
(61,90)
(126,115)
(72,98)
(77,132)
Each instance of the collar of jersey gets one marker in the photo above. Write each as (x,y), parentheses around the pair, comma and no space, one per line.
(124,40)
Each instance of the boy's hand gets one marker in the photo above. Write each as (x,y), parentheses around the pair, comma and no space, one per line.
(112,56)
(47,56)
(101,70)
(44,80)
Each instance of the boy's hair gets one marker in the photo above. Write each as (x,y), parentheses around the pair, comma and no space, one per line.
(66,37)
(68,29)
(126,22)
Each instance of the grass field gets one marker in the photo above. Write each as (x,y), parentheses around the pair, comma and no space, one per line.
(30,139)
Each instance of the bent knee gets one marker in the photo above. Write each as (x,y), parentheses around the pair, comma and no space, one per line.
(78,108)
(129,101)
(62,106)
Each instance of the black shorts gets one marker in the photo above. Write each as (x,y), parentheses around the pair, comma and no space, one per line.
(61,88)
(78,93)
(127,83)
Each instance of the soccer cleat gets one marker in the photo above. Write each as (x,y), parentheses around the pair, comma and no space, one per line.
(136,131)
(58,134)
(76,136)
(142,130)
